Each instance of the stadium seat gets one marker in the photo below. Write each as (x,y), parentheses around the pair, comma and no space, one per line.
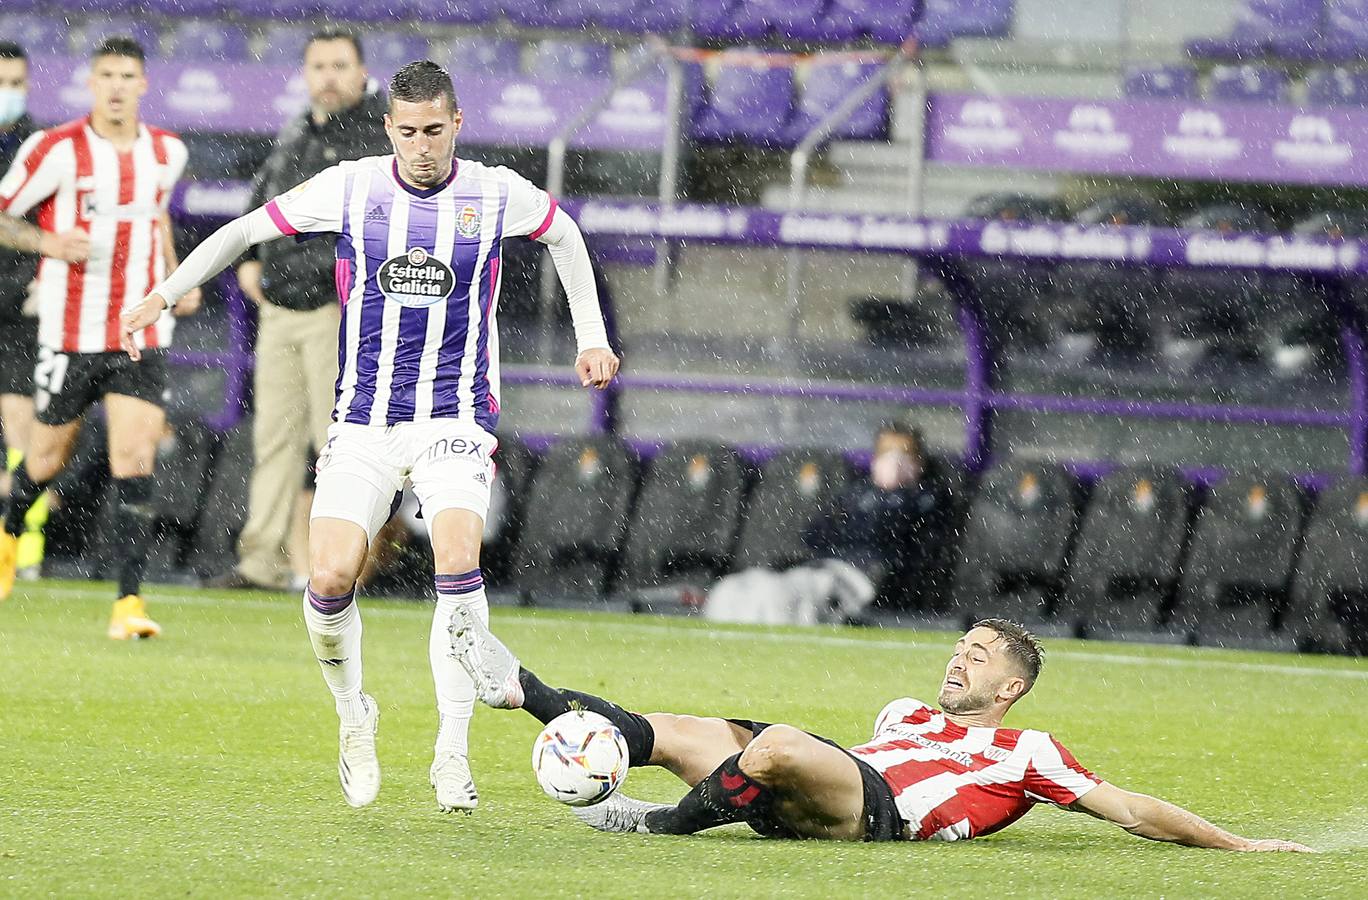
(749,101)
(1160,82)
(577,511)
(568,14)
(96,30)
(1103,306)
(1329,608)
(884,21)
(1337,87)
(1264,26)
(828,83)
(1235,582)
(794,488)
(1016,542)
(1125,569)
(1248,84)
(944,20)
(206,41)
(555,58)
(1204,311)
(390,50)
(36,34)
(1344,36)
(760,19)
(686,517)
(514,466)
(642,16)
(1012,293)
(489,57)
(463,12)
(213,548)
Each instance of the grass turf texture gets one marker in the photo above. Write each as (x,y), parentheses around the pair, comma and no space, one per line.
(204,762)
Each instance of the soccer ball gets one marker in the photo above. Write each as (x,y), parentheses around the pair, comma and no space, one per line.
(579,758)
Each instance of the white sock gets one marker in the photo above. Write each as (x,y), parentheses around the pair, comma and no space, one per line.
(455,690)
(334,625)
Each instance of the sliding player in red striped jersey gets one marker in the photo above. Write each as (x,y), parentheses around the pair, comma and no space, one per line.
(948,773)
(108,176)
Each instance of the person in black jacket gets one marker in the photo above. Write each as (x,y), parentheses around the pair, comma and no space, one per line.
(18,324)
(294,287)
(886,525)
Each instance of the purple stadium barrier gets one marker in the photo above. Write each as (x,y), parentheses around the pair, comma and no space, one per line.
(1161,83)
(1265,26)
(1248,84)
(1337,87)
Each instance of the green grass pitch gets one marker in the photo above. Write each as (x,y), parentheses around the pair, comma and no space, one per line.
(203,763)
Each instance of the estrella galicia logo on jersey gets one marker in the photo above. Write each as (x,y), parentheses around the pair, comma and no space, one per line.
(416,279)
(468,222)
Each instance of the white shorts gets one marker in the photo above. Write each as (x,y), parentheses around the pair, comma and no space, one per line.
(362,468)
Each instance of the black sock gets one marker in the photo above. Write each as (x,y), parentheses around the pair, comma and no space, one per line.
(24,491)
(547,702)
(726,796)
(133,526)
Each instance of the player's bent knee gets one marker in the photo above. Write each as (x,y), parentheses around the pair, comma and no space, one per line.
(773,754)
(331,578)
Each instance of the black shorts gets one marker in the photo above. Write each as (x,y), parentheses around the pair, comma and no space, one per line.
(18,355)
(882,820)
(67,384)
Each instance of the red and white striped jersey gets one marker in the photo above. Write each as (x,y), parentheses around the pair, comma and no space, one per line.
(952,783)
(77,179)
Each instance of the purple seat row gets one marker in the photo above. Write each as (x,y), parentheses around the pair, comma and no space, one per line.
(1309,30)
(933,22)
(1249,83)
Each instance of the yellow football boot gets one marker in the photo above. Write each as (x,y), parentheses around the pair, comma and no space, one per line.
(130,620)
(9,554)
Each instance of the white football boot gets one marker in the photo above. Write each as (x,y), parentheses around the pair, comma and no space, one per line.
(491,666)
(358,768)
(618,814)
(450,776)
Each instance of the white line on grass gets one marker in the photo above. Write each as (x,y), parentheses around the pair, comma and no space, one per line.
(399,608)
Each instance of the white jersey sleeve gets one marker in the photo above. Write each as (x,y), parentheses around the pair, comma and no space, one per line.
(530,209)
(35,174)
(312,207)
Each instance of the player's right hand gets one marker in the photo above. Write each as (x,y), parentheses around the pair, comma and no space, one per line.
(136,319)
(1276,846)
(68,246)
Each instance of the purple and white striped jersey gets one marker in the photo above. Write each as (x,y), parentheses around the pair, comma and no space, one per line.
(418,280)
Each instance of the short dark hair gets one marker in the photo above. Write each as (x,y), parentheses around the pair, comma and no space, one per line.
(1022,646)
(337,34)
(11,50)
(422,81)
(120,45)
(899,428)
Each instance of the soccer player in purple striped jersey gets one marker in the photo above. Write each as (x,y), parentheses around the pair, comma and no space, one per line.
(418,236)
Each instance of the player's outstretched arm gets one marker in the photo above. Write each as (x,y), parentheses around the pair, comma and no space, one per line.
(68,246)
(1158,820)
(595,363)
(204,262)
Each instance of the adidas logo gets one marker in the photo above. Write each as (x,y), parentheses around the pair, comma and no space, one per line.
(480,477)
(376,214)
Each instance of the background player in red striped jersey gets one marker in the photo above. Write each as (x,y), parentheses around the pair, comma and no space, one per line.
(928,774)
(110,176)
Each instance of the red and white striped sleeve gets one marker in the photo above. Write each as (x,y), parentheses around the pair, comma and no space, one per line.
(896,711)
(36,173)
(1054,776)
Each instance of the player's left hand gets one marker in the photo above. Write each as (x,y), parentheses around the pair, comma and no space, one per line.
(136,319)
(1276,846)
(597,367)
(189,304)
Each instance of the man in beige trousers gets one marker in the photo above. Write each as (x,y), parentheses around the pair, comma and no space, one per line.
(293,286)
